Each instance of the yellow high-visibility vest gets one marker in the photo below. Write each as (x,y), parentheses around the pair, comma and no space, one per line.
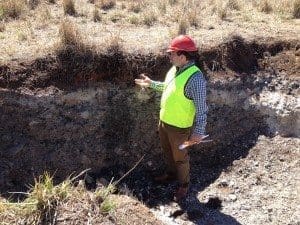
(176,109)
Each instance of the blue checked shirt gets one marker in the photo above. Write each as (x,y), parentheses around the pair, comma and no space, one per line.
(195,89)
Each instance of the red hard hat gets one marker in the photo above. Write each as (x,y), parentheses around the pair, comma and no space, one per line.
(182,43)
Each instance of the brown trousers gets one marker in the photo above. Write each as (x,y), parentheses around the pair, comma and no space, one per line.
(177,161)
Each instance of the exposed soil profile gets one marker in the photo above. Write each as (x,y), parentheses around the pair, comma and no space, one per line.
(79,109)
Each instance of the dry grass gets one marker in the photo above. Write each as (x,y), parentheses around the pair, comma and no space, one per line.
(47,203)
(234,4)
(70,35)
(96,15)
(193,18)
(69,7)
(11,9)
(135,7)
(106,4)
(44,200)
(44,16)
(296,9)
(137,17)
(32,4)
(117,16)
(222,11)
(114,44)
(2,27)
(266,7)
(41,202)
(173,2)
(134,20)
(162,6)
(183,27)
(149,18)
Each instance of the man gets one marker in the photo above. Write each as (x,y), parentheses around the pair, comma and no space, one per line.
(183,110)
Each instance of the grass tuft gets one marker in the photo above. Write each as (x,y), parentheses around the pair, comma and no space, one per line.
(233,4)
(296,9)
(193,18)
(46,195)
(149,18)
(222,12)
(182,27)
(162,6)
(114,44)
(69,7)
(32,4)
(107,205)
(135,7)
(11,9)
(2,27)
(266,7)
(40,204)
(70,35)
(96,15)
(45,15)
(116,16)
(103,198)
(173,2)
(134,20)
(107,4)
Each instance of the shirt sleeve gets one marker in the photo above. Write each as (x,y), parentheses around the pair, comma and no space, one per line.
(157,85)
(196,90)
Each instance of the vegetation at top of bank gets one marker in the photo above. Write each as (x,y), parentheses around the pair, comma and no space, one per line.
(164,10)
(37,24)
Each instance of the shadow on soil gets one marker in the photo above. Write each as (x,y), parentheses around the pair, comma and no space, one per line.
(140,184)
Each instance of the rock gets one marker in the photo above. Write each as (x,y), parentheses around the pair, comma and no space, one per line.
(232,197)
(223,183)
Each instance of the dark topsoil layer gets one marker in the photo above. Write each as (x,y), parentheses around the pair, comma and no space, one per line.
(74,66)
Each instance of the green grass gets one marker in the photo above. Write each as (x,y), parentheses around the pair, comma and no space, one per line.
(44,197)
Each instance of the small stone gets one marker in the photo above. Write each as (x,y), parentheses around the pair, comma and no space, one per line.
(231,183)
(223,183)
(161,208)
(232,197)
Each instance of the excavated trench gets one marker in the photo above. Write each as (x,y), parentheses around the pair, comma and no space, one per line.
(76,110)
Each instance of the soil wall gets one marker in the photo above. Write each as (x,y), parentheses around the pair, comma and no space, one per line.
(79,110)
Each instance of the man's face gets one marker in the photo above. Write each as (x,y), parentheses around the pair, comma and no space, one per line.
(177,60)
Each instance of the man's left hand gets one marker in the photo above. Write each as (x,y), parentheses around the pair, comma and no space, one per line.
(194,139)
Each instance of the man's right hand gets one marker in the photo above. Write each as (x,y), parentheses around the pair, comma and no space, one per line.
(144,82)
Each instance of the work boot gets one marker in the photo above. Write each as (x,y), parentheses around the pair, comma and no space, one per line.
(180,194)
(165,178)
